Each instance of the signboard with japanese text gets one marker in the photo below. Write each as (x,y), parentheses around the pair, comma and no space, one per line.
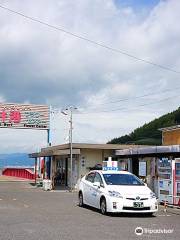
(142,168)
(24,116)
(110,165)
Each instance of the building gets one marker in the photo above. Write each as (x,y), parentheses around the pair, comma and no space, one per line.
(85,158)
(147,162)
(159,166)
(171,135)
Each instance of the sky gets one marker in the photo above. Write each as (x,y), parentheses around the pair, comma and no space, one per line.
(41,65)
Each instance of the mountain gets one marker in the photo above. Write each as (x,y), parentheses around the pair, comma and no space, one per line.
(15,159)
(149,134)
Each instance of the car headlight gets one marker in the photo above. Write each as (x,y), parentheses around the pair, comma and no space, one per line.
(114,194)
(152,195)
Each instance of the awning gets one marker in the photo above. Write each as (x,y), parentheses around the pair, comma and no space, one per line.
(66,152)
(41,154)
(151,150)
(54,153)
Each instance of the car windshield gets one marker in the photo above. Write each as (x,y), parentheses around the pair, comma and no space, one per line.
(122,179)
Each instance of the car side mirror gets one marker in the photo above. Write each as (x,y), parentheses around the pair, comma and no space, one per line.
(97,184)
(145,184)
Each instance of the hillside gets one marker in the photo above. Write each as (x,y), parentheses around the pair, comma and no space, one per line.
(149,134)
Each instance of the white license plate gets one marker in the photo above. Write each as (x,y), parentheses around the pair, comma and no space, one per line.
(138,205)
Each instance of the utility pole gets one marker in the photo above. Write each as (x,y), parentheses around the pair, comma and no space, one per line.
(65,112)
(70,140)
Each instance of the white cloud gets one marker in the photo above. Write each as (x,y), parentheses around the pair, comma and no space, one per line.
(2,99)
(40,65)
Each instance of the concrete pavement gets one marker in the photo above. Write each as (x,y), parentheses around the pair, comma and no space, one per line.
(12,179)
(29,213)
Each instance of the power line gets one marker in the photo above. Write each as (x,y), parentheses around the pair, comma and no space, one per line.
(124,109)
(126,99)
(89,40)
(136,97)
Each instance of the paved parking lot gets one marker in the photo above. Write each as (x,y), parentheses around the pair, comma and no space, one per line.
(30,213)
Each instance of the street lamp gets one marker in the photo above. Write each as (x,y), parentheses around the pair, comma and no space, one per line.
(66,112)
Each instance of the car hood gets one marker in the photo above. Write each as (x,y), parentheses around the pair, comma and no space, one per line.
(130,190)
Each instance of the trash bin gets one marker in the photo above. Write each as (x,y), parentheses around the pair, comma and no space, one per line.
(47,185)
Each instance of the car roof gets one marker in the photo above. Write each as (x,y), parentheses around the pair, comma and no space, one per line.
(111,172)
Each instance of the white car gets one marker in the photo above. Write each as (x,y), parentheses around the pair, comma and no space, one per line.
(116,191)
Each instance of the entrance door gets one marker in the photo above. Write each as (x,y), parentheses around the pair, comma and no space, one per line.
(61,172)
(135,166)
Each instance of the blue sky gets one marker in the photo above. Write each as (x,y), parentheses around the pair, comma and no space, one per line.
(138,4)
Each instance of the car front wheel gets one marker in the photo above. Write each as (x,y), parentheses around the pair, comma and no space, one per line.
(81,204)
(151,214)
(103,207)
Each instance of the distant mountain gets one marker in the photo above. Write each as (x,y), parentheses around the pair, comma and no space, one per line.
(15,159)
(149,134)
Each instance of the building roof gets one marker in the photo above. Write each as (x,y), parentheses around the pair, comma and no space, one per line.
(64,148)
(171,128)
(151,150)
(88,146)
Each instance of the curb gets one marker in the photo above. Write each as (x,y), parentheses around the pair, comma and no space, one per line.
(15,180)
(11,181)
(170,205)
(170,209)
(174,207)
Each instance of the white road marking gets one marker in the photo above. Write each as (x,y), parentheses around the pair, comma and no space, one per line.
(14,199)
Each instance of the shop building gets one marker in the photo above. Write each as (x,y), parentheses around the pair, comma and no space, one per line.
(145,160)
(159,166)
(84,158)
(171,135)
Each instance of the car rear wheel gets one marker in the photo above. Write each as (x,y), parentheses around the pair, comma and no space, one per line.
(81,203)
(103,207)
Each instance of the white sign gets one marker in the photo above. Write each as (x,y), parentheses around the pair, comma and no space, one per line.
(142,169)
(26,116)
(110,165)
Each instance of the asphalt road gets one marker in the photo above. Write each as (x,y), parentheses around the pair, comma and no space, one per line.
(30,213)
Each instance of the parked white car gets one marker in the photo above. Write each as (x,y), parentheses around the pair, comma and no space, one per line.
(116,191)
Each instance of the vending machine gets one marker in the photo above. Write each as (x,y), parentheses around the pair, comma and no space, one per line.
(165,180)
(177,182)
(169,180)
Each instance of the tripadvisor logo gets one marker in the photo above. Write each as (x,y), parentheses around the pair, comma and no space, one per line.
(139,231)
